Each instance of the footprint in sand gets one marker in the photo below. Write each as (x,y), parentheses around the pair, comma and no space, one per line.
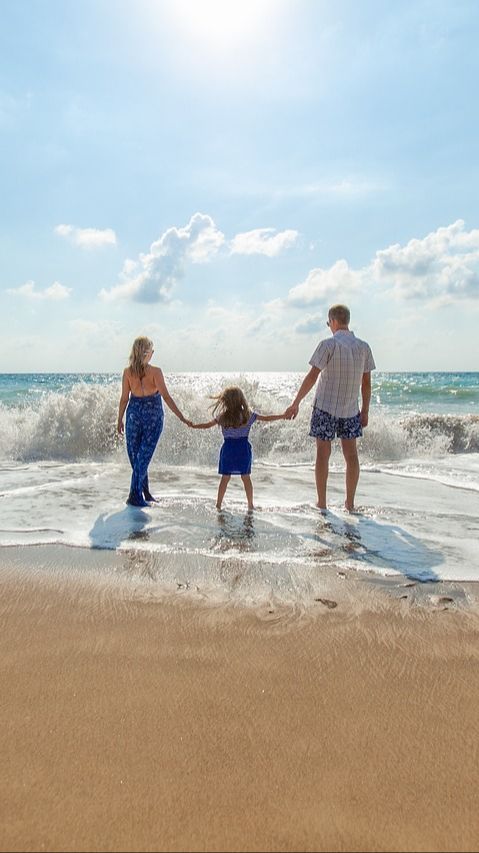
(441,599)
(327,602)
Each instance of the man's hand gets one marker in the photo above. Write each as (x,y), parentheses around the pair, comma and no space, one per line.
(364,416)
(291,411)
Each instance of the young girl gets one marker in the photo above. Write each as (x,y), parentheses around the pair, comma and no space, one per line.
(232,413)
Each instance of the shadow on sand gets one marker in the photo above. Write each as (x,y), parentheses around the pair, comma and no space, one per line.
(110,530)
(384,546)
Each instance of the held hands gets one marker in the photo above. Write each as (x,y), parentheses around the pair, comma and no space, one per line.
(291,412)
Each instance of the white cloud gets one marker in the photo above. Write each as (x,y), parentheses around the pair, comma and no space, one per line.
(310,324)
(442,266)
(263,241)
(93,329)
(55,292)
(87,238)
(439,268)
(322,286)
(153,277)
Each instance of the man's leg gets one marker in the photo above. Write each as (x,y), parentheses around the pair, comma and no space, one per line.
(323,452)
(350,454)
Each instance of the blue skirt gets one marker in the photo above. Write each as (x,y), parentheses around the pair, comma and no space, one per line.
(236,456)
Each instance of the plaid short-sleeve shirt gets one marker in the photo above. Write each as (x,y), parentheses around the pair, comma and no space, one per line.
(342,361)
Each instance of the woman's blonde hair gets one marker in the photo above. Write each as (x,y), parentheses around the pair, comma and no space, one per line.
(139,349)
(231,408)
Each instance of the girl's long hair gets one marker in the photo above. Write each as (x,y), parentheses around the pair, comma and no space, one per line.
(231,408)
(139,349)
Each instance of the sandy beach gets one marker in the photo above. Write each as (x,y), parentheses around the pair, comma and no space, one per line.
(137,722)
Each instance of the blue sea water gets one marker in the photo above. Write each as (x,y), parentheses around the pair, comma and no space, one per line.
(65,476)
(425,392)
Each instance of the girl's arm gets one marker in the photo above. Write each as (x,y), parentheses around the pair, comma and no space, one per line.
(125,395)
(271,417)
(205,426)
(161,386)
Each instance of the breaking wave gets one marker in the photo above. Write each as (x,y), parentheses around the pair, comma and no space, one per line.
(80,423)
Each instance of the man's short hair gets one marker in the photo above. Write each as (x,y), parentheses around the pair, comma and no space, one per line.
(340,313)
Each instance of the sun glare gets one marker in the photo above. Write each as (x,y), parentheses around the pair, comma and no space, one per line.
(220,24)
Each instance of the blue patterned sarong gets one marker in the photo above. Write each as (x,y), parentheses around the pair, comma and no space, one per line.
(144,424)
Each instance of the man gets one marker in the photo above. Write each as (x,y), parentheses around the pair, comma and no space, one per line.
(343,364)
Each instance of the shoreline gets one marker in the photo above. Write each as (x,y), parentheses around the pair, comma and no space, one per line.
(133,721)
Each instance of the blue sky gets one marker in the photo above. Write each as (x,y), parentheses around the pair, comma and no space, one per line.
(216,174)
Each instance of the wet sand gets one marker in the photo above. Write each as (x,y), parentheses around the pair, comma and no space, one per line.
(137,722)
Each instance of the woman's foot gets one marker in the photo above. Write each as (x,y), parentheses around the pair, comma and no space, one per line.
(135,500)
(149,497)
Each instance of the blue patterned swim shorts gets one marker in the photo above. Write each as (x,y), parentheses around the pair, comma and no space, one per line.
(327,427)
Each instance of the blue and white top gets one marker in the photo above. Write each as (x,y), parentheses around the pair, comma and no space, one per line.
(239,432)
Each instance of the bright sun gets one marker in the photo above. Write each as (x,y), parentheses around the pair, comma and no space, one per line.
(222,23)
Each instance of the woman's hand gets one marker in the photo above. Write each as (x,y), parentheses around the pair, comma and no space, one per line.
(120,427)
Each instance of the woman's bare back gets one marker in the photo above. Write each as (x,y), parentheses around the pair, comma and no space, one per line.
(146,386)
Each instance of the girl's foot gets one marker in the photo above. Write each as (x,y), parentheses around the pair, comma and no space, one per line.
(218,507)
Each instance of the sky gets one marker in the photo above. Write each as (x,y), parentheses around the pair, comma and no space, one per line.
(215,174)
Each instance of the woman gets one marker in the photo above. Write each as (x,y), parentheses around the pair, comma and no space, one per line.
(143,387)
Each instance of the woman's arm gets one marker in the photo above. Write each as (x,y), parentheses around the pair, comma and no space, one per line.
(205,426)
(125,395)
(271,417)
(161,386)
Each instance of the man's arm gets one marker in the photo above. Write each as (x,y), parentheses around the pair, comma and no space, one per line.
(308,382)
(366,398)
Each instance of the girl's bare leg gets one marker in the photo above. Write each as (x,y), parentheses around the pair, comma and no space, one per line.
(248,487)
(222,489)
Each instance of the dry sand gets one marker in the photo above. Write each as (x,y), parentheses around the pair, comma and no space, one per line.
(145,723)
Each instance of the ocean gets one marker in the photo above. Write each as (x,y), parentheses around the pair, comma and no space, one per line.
(65,477)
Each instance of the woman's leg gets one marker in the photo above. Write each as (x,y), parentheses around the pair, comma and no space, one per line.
(248,487)
(152,429)
(222,489)
(146,425)
(134,434)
